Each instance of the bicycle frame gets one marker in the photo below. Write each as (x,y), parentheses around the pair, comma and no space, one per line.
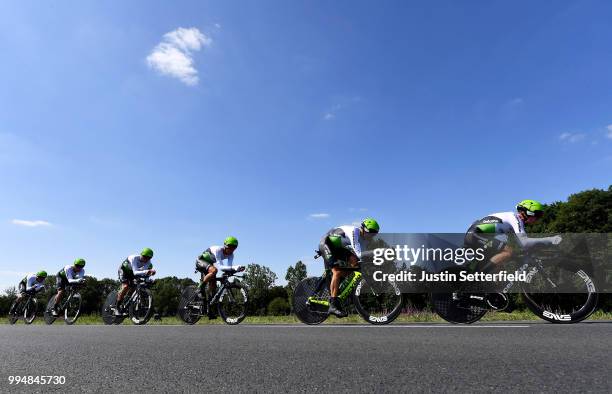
(224,279)
(71,290)
(325,282)
(135,292)
(23,303)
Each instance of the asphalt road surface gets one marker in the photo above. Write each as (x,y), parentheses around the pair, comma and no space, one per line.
(515,357)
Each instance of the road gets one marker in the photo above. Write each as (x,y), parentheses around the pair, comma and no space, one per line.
(515,357)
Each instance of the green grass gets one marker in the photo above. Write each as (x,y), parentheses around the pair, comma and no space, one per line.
(417,317)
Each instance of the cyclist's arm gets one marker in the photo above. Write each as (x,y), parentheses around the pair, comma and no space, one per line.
(34,285)
(349,239)
(74,277)
(355,243)
(527,242)
(140,271)
(226,265)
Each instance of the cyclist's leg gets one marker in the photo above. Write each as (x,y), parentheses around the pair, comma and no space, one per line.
(209,277)
(21,293)
(125,278)
(333,261)
(60,284)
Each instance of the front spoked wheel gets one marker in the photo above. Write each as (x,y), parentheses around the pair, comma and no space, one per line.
(14,317)
(29,312)
(142,309)
(48,315)
(563,308)
(232,305)
(380,304)
(191,307)
(73,309)
(311,307)
(108,316)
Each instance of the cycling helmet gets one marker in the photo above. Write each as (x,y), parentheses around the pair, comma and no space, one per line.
(231,241)
(531,208)
(370,225)
(41,274)
(147,252)
(79,263)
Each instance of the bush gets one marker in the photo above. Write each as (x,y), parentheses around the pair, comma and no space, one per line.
(278,307)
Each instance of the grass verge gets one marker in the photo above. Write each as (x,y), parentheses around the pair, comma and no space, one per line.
(415,317)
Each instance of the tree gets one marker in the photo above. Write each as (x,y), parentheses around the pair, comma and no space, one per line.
(166,295)
(589,211)
(295,274)
(7,299)
(258,279)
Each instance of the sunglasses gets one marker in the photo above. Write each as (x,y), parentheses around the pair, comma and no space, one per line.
(537,214)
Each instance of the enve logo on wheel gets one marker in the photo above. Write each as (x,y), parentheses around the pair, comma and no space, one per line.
(555,316)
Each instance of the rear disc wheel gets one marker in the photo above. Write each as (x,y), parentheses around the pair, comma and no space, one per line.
(457,308)
(301,306)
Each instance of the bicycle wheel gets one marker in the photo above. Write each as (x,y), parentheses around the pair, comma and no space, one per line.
(457,307)
(380,305)
(305,289)
(72,309)
(190,309)
(565,308)
(142,309)
(232,305)
(14,317)
(29,311)
(108,316)
(49,318)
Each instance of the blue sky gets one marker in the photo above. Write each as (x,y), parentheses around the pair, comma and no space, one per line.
(274,121)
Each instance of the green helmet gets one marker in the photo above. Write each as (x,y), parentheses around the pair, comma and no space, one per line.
(79,262)
(370,225)
(530,207)
(230,241)
(41,274)
(147,252)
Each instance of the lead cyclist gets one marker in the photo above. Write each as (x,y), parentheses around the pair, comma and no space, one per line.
(505,224)
(341,248)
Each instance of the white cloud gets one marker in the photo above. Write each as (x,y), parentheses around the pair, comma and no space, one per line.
(571,137)
(30,223)
(341,104)
(318,215)
(217,25)
(173,56)
(609,128)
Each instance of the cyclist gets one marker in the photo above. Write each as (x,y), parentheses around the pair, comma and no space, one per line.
(32,283)
(133,266)
(496,247)
(205,264)
(70,274)
(341,247)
